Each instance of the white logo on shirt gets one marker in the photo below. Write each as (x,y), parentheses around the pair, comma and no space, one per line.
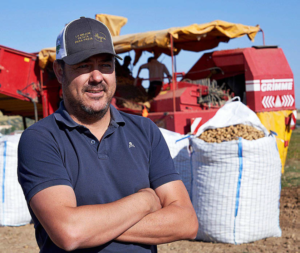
(131,145)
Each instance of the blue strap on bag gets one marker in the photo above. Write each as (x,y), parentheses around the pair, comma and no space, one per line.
(240,154)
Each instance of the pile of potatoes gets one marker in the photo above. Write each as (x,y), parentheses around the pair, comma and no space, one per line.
(230,133)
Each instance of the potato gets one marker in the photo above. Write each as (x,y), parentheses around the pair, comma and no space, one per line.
(230,133)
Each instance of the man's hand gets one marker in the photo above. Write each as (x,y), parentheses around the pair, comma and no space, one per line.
(176,220)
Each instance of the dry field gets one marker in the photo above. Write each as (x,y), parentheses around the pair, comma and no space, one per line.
(21,239)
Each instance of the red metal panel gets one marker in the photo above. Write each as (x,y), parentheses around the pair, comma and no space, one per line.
(225,63)
(269,80)
(51,91)
(180,122)
(186,99)
(18,74)
(229,58)
(164,101)
(204,63)
(189,99)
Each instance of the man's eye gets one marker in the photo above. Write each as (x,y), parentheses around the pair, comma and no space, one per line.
(82,66)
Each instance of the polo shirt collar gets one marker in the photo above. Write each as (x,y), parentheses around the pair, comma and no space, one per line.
(116,117)
(63,116)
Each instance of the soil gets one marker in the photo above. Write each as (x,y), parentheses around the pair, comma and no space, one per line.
(21,239)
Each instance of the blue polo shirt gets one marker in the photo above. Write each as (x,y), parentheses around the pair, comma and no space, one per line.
(132,155)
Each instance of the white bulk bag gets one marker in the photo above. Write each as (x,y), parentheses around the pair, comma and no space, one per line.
(179,149)
(236,187)
(13,206)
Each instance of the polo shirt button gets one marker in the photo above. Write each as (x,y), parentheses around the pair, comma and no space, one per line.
(93,142)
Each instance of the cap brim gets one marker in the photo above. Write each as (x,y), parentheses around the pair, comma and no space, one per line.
(83,55)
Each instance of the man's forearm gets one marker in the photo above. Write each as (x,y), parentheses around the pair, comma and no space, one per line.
(170,223)
(114,218)
(71,227)
(175,221)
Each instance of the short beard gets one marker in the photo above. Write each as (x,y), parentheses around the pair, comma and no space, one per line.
(95,114)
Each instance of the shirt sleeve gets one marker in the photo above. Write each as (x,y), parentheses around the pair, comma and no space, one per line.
(40,164)
(144,66)
(162,169)
(166,71)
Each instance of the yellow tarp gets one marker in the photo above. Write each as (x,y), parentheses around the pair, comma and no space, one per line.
(275,121)
(113,23)
(46,55)
(192,38)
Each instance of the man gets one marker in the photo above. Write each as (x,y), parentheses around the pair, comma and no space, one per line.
(95,179)
(123,70)
(156,75)
(125,67)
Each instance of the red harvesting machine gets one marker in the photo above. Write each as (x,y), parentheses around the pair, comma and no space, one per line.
(260,76)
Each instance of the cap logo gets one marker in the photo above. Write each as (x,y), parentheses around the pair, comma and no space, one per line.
(83,37)
(57,49)
(58,46)
(100,37)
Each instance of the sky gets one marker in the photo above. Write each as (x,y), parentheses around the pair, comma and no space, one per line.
(30,26)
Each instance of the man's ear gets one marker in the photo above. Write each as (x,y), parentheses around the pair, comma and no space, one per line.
(59,72)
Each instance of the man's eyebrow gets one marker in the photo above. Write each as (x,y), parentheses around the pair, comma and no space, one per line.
(108,58)
(85,61)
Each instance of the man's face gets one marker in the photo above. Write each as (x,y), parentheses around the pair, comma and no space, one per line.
(89,86)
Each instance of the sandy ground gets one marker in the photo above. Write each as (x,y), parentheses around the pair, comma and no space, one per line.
(21,239)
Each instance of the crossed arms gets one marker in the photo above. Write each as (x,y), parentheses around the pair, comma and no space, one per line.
(148,217)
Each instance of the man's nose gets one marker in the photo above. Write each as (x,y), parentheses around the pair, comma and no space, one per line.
(96,76)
